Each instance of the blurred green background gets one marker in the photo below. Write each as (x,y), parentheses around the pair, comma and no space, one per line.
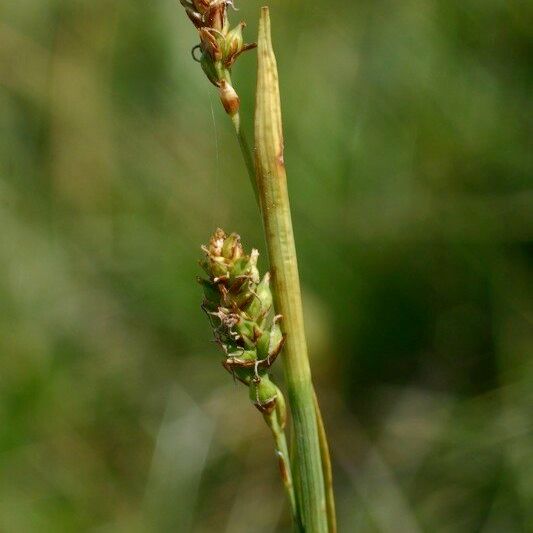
(406,130)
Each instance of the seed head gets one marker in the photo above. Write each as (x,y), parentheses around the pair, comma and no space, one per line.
(239,306)
(220,46)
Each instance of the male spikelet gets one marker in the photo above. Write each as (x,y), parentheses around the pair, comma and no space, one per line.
(219,46)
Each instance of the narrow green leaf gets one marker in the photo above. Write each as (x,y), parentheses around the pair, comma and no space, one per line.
(273,193)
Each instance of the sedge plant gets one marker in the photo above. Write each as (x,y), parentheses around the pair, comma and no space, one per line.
(252,323)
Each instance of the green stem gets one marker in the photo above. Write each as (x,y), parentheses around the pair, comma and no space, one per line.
(273,193)
(272,420)
(282,454)
(243,144)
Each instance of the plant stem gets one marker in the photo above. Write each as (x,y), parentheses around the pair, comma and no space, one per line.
(272,420)
(243,144)
(282,454)
(273,193)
